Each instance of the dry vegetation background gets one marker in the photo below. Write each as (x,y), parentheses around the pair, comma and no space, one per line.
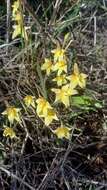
(41,161)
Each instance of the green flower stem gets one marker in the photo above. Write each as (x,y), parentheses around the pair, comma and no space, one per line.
(42,81)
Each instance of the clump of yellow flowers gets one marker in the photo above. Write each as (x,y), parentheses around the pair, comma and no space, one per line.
(12,114)
(17,16)
(64,90)
(45,110)
(66,85)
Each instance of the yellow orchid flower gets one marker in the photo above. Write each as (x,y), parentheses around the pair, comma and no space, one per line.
(63,94)
(51,115)
(12,114)
(60,80)
(42,107)
(18,30)
(82,80)
(62,132)
(9,132)
(68,90)
(15,7)
(29,101)
(47,66)
(60,66)
(45,110)
(77,78)
(59,54)
(18,17)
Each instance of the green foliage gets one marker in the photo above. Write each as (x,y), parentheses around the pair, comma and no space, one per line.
(86,102)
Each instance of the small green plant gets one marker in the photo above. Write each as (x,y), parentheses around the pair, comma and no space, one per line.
(67,89)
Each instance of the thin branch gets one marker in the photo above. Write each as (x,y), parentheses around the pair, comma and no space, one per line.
(8,22)
(95,31)
(15,177)
(32,13)
(55,10)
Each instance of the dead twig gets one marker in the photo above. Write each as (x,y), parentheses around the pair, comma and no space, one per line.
(15,177)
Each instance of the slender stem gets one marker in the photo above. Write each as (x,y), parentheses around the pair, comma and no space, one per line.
(42,81)
(8,22)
